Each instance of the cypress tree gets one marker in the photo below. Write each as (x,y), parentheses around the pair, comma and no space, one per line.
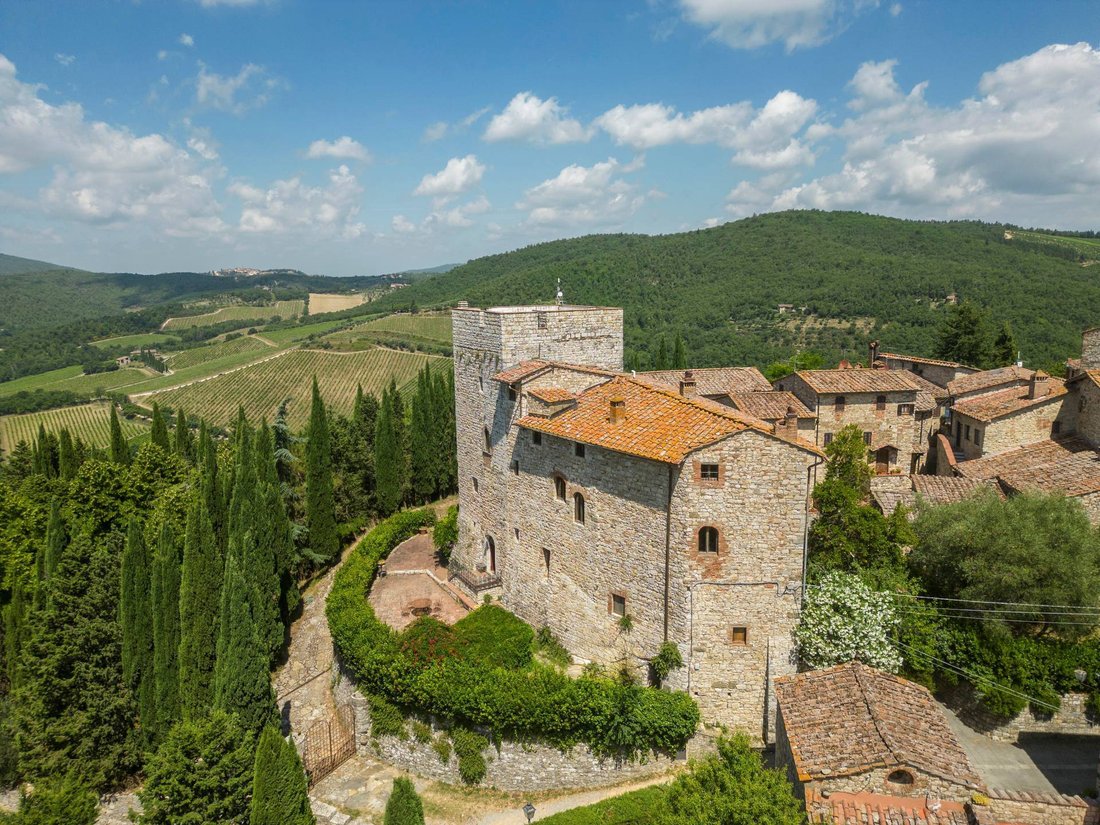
(212,486)
(364,419)
(241,682)
(200,605)
(679,353)
(55,543)
(16,632)
(166,631)
(661,362)
(404,806)
(66,456)
(320,499)
(448,445)
(1005,351)
(280,795)
(184,443)
(136,618)
(387,460)
(401,433)
(159,434)
(423,466)
(120,448)
(268,553)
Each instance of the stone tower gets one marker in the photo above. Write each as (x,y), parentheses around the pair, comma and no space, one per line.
(486,342)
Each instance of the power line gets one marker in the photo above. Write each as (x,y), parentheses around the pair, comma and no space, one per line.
(1021,611)
(1057,622)
(900,595)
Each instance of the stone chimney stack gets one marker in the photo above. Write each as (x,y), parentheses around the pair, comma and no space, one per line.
(687,385)
(618,410)
(872,353)
(1039,385)
(788,425)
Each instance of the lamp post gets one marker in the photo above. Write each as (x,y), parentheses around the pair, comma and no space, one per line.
(529,810)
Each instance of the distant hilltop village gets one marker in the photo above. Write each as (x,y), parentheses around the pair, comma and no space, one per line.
(248,272)
(624,511)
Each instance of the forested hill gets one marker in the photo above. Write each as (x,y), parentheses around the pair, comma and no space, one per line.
(860,277)
(14,265)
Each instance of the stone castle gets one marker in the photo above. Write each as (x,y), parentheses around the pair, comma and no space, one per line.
(588,495)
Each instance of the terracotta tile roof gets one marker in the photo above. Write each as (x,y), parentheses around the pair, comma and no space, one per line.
(716,381)
(771,405)
(1070,466)
(929,395)
(916,359)
(551,395)
(659,424)
(949,489)
(858,379)
(851,718)
(529,369)
(1006,402)
(842,808)
(987,379)
(889,491)
(1091,375)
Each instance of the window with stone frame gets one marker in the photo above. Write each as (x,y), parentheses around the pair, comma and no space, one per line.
(739,635)
(708,540)
(536,438)
(867,438)
(616,605)
(709,472)
(905,409)
(578,508)
(828,439)
(838,403)
(578,449)
(880,402)
(559,488)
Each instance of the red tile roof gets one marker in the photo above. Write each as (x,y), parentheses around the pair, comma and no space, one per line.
(916,359)
(987,379)
(529,369)
(771,405)
(842,808)
(716,381)
(851,718)
(998,404)
(551,395)
(858,379)
(1070,466)
(659,424)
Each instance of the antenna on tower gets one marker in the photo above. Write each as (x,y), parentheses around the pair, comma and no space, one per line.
(559,297)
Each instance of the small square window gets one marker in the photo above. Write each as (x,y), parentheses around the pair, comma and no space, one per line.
(578,450)
(536,438)
(618,605)
(828,439)
(511,393)
(867,438)
(708,472)
(475,485)
(905,409)
(542,320)
(739,635)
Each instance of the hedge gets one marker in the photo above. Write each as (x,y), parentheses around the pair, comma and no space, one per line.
(532,702)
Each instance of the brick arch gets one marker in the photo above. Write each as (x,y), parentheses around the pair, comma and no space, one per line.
(722,545)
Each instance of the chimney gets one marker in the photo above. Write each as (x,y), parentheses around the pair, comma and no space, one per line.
(788,425)
(1039,385)
(687,385)
(872,353)
(618,410)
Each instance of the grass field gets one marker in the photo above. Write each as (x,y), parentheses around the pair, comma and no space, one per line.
(320,302)
(141,339)
(284,309)
(260,388)
(432,326)
(90,422)
(202,355)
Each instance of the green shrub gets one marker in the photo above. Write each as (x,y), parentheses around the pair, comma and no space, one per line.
(668,659)
(534,702)
(404,806)
(428,640)
(551,647)
(493,637)
(421,733)
(445,534)
(442,748)
(386,719)
(60,799)
(468,748)
(641,807)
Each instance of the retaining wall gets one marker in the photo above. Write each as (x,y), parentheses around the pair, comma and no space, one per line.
(1072,717)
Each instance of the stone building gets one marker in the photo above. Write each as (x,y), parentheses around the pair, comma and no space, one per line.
(987,423)
(938,372)
(587,495)
(882,403)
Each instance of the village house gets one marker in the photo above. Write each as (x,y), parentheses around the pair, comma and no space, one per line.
(588,496)
(938,372)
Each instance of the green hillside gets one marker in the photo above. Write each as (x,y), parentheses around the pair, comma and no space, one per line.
(860,276)
(14,265)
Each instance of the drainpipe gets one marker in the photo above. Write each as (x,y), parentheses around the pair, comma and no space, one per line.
(810,474)
(668,540)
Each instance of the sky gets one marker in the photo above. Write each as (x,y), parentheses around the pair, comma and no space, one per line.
(360,138)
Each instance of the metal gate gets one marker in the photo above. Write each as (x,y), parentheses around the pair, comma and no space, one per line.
(328,745)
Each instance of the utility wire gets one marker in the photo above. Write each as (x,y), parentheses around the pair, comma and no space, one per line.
(1037,620)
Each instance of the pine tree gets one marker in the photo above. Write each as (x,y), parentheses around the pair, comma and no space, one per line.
(166,631)
(280,795)
(404,806)
(136,618)
(159,434)
(184,444)
(679,353)
(963,336)
(66,456)
(199,607)
(120,448)
(1005,351)
(242,685)
(388,460)
(320,500)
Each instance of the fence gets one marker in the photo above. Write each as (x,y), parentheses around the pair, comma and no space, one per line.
(328,745)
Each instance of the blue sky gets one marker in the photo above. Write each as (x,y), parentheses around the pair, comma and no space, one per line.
(367,137)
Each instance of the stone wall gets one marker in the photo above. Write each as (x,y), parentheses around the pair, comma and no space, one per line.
(1025,427)
(1041,809)
(1090,349)
(876,781)
(1085,396)
(938,374)
(1072,717)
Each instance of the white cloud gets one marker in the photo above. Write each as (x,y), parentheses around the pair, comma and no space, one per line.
(589,196)
(343,148)
(65,59)
(457,217)
(458,176)
(186,40)
(403,225)
(749,24)
(528,117)
(250,88)
(291,208)
(895,9)
(436,131)
(201,144)
(162,54)
(440,129)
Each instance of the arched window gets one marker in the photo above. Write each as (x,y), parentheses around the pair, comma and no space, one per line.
(488,441)
(708,540)
(490,554)
(578,508)
(900,777)
(559,488)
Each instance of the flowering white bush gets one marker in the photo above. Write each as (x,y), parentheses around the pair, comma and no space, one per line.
(844,619)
